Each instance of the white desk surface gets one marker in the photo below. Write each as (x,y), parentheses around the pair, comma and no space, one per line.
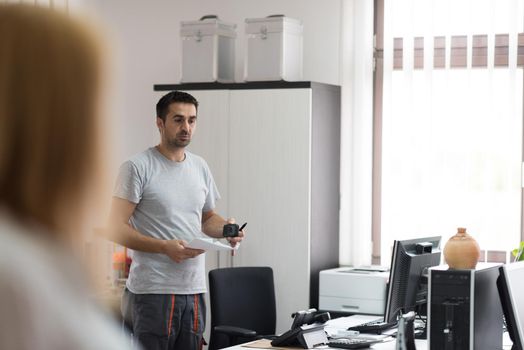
(420,344)
(345,322)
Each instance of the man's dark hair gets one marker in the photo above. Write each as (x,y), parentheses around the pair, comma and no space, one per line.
(173,97)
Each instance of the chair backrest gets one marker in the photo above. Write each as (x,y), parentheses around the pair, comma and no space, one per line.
(242,297)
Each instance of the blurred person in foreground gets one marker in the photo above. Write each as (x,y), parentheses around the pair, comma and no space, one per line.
(50,167)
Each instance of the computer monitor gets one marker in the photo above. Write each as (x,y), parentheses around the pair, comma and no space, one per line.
(511,291)
(408,286)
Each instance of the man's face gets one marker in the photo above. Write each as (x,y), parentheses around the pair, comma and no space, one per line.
(177,130)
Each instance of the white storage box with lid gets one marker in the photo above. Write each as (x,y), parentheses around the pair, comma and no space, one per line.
(274,49)
(208,50)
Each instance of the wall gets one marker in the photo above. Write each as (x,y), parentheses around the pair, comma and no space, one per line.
(144,36)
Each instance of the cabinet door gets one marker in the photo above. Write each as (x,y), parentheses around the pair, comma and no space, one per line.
(269,187)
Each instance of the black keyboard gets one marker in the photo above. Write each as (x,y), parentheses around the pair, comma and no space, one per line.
(376,327)
(352,343)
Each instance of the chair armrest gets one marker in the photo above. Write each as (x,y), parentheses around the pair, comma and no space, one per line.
(235,331)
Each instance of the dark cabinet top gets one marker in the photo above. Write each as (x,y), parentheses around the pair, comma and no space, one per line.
(241,86)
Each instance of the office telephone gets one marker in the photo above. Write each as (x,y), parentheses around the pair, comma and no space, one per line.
(306,330)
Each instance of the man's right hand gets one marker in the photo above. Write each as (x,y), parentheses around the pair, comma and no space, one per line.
(177,250)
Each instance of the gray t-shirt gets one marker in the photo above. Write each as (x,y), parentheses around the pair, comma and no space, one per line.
(170,198)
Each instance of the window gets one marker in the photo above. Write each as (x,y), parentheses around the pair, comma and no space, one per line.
(451,126)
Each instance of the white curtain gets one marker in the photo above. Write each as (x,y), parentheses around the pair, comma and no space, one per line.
(452,137)
(357,131)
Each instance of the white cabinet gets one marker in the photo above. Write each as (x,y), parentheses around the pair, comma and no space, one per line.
(273,148)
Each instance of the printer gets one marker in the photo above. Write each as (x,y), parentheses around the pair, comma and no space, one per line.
(359,290)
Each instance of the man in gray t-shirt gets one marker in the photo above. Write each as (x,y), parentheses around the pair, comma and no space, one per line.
(164,197)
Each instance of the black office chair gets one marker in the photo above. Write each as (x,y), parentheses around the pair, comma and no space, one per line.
(242,305)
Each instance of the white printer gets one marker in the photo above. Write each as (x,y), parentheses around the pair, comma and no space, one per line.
(354,289)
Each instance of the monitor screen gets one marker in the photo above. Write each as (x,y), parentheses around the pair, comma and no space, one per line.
(408,286)
(511,291)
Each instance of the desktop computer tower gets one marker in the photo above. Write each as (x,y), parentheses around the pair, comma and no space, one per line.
(464,310)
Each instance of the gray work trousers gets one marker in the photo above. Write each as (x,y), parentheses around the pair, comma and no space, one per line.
(165,321)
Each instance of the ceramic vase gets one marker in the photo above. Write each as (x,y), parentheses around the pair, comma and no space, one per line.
(461,251)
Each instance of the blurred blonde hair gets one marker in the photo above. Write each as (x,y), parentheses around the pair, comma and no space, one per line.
(50,156)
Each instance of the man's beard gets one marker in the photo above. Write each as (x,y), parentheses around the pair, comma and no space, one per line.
(177,143)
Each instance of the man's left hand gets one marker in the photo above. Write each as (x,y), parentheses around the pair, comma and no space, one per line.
(241,234)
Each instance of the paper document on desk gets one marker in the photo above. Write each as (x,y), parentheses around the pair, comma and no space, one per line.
(342,323)
(266,344)
(210,244)
(350,321)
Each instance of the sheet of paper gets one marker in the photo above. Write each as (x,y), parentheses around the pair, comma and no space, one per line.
(350,321)
(343,323)
(210,244)
(266,344)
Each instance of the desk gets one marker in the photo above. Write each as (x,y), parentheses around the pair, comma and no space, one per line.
(420,344)
(390,345)
(344,322)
